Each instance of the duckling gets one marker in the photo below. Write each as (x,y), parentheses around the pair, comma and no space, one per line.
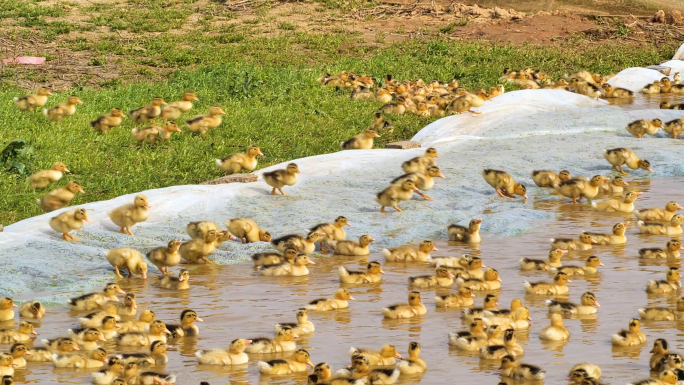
(174,110)
(420,163)
(108,327)
(470,234)
(414,364)
(339,301)
(96,359)
(60,197)
(670,284)
(153,378)
(274,258)
(663,313)
(18,351)
(490,304)
(463,298)
(323,376)
(641,127)
(583,371)
(331,232)
(43,178)
(150,135)
(247,230)
(615,187)
(398,107)
(129,214)
(588,305)
(677,89)
(126,258)
(31,309)
(198,230)
(504,184)
(653,88)
(387,355)
(145,318)
(674,127)
(632,336)
(242,161)
(657,214)
(62,110)
(665,85)
(349,247)
(473,268)
(392,195)
(360,369)
(94,320)
(668,377)
(546,178)
(281,343)
(555,256)
(108,121)
(186,328)
(182,282)
(235,355)
(24,333)
(127,308)
(620,156)
(199,249)
(298,363)
(617,238)
(371,275)
(108,375)
(410,253)
(579,188)
(671,250)
(363,141)
(617,92)
(295,269)
(87,338)
(668,106)
(157,332)
(518,371)
(303,325)
(471,339)
(518,321)
(509,347)
(556,287)
(496,91)
(280,178)
(422,181)
(60,345)
(453,262)
(442,278)
(660,354)
(165,256)
(31,102)
(556,331)
(466,102)
(156,356)
(301,244)
(6,309)
(672,228)
(383,96)
(92,301)
(147,113)
(413,308)
(583,243)
(201,124)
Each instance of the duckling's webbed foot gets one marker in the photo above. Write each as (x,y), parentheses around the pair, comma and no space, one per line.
(281,191)
(206,260)
(382,209)
(65,236)
(426,197)
(123,230)
(273,192)
(499,193)
(116,271)
(474,112)
(622,171)
(396,208)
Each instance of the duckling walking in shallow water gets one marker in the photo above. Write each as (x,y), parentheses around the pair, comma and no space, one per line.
(504,184)
(331,232)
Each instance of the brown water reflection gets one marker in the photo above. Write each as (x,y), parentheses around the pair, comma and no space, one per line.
(642,102)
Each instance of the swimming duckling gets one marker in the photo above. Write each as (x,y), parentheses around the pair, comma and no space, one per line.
(31,309)
(620,156)
(59,197)
(398,107)
(174,110)
(129,214)
(150,135)
(363,141)
(62,110)
(677,89)
(667,377)
(546,178)
(280,178)
(490,304)
(632,336)
(108,327)
(519,320)
(472,269)
(414,364)
(6,309)
(615,187)
(617,238)
(60,345)
(339,301)
(147,113)
(129,259)
(18,351)
(453,262)
(156,356)
(421,163)
(442,278)
(668,106)
(670,284)
(303,325)
(323,376)
(504,184)
(349,247)
(31,102)
(97,359)
(422,181)
(588,305)
(410,253)
(460,339)
(92,301)
(301,244)
(107,376)
(331,232)
(24,333)
(583,243)
(588,269)
(157,332)
(361,370)
(153,378)
(413,308)
(165,256)
(556,331)
(470,234)
(235,355)
(387,355)
(182,282)
(186,328)
(87,338)
(241,161)
(660,354)
(199,249)
(298,363)
(490,281)
(518,371)
(671,250)
(555,256)
(617,92)
(274,258)
(463,298)
(674,127)
(663,313)
(395,193)
(295,269)
(556,287)
(371,275)
(108,121)
(653,88)
(665,85)
(674,227)
(145,318)
(282,342)
(509,347)
(127,308)
(583,371)
(641,127)
(43,178)
(658,214)
(677,77)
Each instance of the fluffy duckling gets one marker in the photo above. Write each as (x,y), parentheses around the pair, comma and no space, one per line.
(150,135)
(674,127)
(452,261)
(60,345)
(463,298)
(280,178)
(615,186)
(422,181)
(242,161)
(467,340)
(43,178)
(641,127)
(387,355)
(323,375)
(18,351)
(147,113)
(127,308)
(112,372)
(23,334)
(60,197)
(298,363)
(174,110)
(301,244)
(235,355)
(504,184)
(295,269)
(31,102)
(556,331)
(186,328)
(182,282)
(616,93)
(371,275)
(663,313)
(668,106)
(442,278)
(410,253)
(129,214)
(668,377)
(660,354)
(129,259)
(31,309)
(546,178)
(621,156)
(414,364)
(93,301)
(157,332)
(274,258)
(490,281)
(473,269)
(583,371)
(203,123)
(653,88)
(108,121)
(671,250)
(199,249)
(420,163)
(520,320)
(62,110)
(281,343)
(490,304)
(145,318)
(579,188)
(331,232)
(658,214)
(361,370)
(470,234)
(395,193)
(617,238)
(588,305)
(165,256)
(555,256)
(97,359)
(6,309)
(556,287)
(413,308)
(509,347)
(349,247)
(632,336)
(339,301)
(87,338)
(511,368)
(363,141)
(674,227)
(247,230)
(665,85)
(303,325)
(108,328)
(156,356)
(583,243)
(588,269)
(670,284)
(198,230)
(154,378)
(398,107)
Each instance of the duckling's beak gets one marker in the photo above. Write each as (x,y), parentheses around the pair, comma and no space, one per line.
(66,170)
(148,205)
(483,265)
(397,356)
(102,338)
(525,196)
(222,112)
(626,223)
(499,279)
(351,298)
(164,103)
(451,275)
(679,207)
(247,342)
(295,336)
(376,135)
(310,262)
(167,331)
(371,240)
(49,93)
(441,175)
(144,275)
(310,363)
(34,333)
(569,281)
(593,241)
(649,169)
(14,305)
(195,98)
(382,271)
(606,179)
(599,305)
(28,353)
(198,319)
(529,318)
(601,264)
(637,193)
(564,251)
(116,326)
(76,347)
(473,295)
(625,183)
(260,153)
(80,189)
(434,248)
(120,291)
(79,101)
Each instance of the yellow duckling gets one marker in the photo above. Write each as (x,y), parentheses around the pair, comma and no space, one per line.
(42,179)
(387,355)
(152,378)
(661,358)
(653,88)
(671,250)
(632,336)
(323,375)
(473,268)
(129,259)
(583,371)
(383,95)
(422,181)
(410,253)
(520,320)
(242,161)
(466,102)
(555,256)
(470,234)
(108,121)
(60,197)
(579,188)
(504,184)
(301,244)
(295,269)
(128,215)
(395,193)
(421,163)
(24,333)
(490,304)
(641,127)
(303,325)
(663,313)
(31,102)
(583,243)
(677,89)
(156,332)
(414,364)
(546,178)
(127,308)
(371,275)
(658,214)
(497,352)
(186,328)
(490,281)
(281,178)
(511,368)
(150,135)
(87,338)
(413,308)
(149,112)
(556,287)
(361,93)
(665,85)
(18,351)
(6,309)
(588,305)
(349,247)
(674,127)
(339,301)
(363,141)
(145,318)
(361,370)
(298,363)
(182,282)
(31,309)
(668,106)
(247,230)
(198,230)
(617,238)
(203,123)
(556,331)
(620,156)
(670,284)
(60,345)
(668,377)
(106,376)
(274,258)
(399,107)
(174,110)
(282,342)
(235,355)
(471,339)
(108,327)
(496,91)
(463,298)
(199,249)
(165,256)
(674,227)
(331,232)
(442,278)
(62,110)
(616,93)
(92,301)
(97,359)
(453,262)
(615,187)
(68,221)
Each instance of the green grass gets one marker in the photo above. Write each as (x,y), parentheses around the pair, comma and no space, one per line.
(267,87)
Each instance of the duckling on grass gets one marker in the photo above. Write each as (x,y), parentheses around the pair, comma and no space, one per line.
(62,110)
(108,121)
(31,102)
(151,135)
(60,197)
(174,110)
(43,178)
(147,113)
